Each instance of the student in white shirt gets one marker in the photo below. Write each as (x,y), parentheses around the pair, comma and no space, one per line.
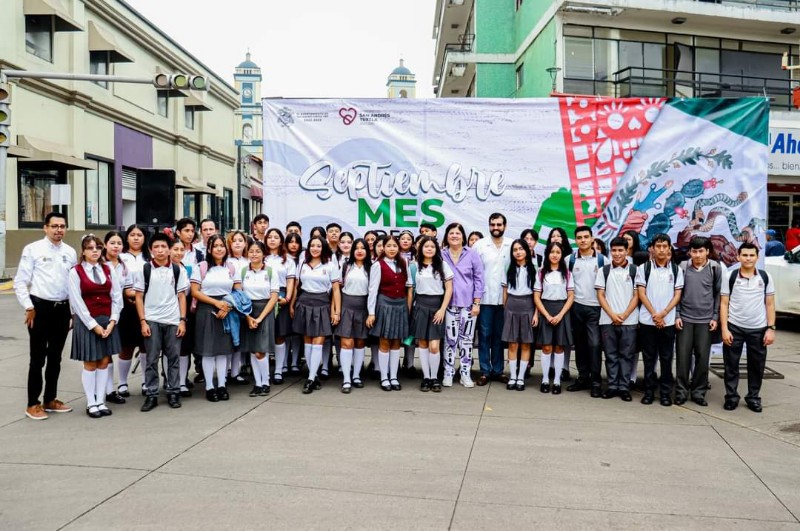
(95,296)
(112,250)
(659,282)
(177,254)
(433,289)
(521,316)
(41,289)
(161,306)
(619,300)
(554,293)
(747,316)
(135,254)
(238,260)
(286,269)
(352,328)
(211,281)
(315,308)
(294,250)
(260,283)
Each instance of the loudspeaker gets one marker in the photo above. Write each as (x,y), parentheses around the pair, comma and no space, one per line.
(155,197)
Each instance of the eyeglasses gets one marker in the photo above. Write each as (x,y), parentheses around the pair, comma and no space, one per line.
(58,227)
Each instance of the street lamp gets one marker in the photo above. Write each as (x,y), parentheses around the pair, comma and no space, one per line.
(553,71)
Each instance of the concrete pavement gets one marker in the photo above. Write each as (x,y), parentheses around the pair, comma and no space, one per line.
(462,459)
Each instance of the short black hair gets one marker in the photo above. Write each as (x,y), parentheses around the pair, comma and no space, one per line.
(619,241)
(700,242)
(660,237)
(294,224)
(748,245)
(160,237)
(497,215)
(332,225)
(582,228)
(532,232)
(429,226)
(261,217)
(183,222)
(52,215)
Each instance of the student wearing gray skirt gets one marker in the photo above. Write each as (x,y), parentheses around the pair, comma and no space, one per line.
(260,283)
(315,310)
(389,304)
(520,314)
(95,298)
(286,269)
(352,328)
(433,289)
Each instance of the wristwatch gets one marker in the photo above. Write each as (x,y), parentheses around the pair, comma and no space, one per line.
(183,318)
(772,327)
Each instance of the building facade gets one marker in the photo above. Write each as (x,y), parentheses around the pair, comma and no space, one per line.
(103,140)
(248,139)
(401,83)
(642,48)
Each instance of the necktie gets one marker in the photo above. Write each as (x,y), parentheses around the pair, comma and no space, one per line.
(96,275)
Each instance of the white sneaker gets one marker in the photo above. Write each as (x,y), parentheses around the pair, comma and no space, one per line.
(466,380)
(447,381)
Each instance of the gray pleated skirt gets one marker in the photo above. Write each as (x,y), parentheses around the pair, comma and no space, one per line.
(261,339)
(353,323)
(88,346)
(561,334)
(518,315)
(210,338)
(422,327)
(312,315)
(391,318)
(283,321)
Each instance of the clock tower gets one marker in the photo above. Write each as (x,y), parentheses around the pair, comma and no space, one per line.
(247,80)
(402,83)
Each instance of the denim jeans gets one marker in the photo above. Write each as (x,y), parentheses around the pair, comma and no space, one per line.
(490,347)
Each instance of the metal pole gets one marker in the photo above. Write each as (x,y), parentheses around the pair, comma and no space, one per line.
(74,77)
(3,161)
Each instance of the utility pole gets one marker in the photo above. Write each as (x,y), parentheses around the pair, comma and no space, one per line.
(172,83)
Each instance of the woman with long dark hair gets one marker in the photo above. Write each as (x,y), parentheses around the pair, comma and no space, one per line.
(559,235)
(294,253)
(352,329)
(520,313)
(135,252)
(112,251)
(286,269)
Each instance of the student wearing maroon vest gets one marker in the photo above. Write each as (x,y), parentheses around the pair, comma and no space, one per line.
(95,298)
(389,304)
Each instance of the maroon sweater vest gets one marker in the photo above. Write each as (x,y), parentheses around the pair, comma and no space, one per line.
(393,285)
(97,297)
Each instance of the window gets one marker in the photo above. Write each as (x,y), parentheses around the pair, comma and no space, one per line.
(100,194)
(190,206)
(99,64)
(188,114)
(39,36)
(520,75)
(35,196)
(162,103)
(517,4)
(578,62)
(404,93)
(227,199)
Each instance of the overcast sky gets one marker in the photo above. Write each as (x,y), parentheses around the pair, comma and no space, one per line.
(323,48)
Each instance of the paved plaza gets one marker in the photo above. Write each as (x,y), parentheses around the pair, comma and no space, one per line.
(482,458)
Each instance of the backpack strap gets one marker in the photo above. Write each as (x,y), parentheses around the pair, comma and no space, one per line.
(176,274)
(732,282)
(198,256)
(147,269)
(203,267)
(572,261)
(674,268)
(632,272)
(765,279)
(606,272)
(648,268)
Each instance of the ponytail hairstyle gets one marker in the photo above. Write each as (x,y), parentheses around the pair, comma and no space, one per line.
(530,267)
(436,261)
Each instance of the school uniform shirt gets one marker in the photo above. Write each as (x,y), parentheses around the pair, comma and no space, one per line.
(43,271)
(285,269)
(495,264)
(190,257)
(125,276)
(259,285)
(522,287)
(660,291)
(134,263)
(375,282)
(584,273)
(218,281)
(356,282)
(747,307)
(78,305)
(319,279)
(554,287)
(429,282)
(619,290)
(161,300)
(238,264)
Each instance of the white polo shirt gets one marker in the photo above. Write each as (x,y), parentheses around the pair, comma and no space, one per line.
(660,289)
(258,285)
(160,301)
(747,307)
(522,287)
(554,287)
(319,279)
(584,274)
(619,291)
(286,269)
(495,264)
(428,282)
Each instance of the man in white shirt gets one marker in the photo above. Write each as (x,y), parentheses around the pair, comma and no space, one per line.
(495,253)
(41,286)
(660,283)
(208,228)
(747,316)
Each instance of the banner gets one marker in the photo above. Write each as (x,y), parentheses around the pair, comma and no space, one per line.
(392,164)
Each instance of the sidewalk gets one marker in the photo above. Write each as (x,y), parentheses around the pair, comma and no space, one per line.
(482,458)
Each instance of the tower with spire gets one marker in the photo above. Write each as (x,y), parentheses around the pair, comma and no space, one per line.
(402,83)
(247,80)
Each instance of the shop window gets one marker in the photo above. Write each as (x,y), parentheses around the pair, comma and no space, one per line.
(99,64)
(35,194)
(100,194)
(39,36)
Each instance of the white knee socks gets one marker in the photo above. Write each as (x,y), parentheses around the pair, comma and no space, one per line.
(522,366)
(383,362)
(209,364)
(316,360)
(546,359)
(124,369)
(236,364)
(101,380)
(346,359)
(110,379)
(89,380)
(434,362)
(222,369)
(183,369)
(425,362)
(394,363)
(280,359)
(263,368)
(559,366)
(257,378)
(512,370)
(358,362)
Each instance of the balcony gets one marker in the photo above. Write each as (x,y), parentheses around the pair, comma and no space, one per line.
(456,71)
(659,83)
(780,5)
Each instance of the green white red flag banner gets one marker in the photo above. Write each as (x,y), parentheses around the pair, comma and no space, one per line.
(684,167)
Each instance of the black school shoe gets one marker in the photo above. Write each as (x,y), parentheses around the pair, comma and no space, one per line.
(222,393)
(308,387)
(174,401)
(115,398)
(211,395)
(425,386)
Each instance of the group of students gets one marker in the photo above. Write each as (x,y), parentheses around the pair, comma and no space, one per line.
(190,291)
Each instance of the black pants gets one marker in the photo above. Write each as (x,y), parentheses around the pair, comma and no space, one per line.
(47,338)
(586,333)
(693,349)
(756,361)
(657,346)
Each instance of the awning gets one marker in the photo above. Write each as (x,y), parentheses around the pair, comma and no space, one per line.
(191,187)
(195,101)
(52,8)
(256,191)
(48,154)
(101,41)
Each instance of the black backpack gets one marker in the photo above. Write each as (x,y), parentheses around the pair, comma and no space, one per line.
(648,268)
(148,269)
(733,277)
(631,272)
